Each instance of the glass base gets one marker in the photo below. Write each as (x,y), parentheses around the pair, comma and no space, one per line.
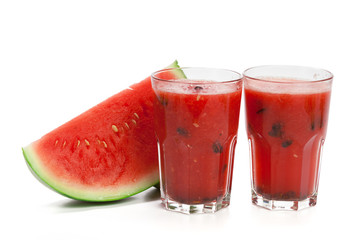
(292,205)
(209,207)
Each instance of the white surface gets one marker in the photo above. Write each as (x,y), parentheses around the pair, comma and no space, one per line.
(59,58)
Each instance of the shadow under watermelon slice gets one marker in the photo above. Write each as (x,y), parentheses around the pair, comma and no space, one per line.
(107,153)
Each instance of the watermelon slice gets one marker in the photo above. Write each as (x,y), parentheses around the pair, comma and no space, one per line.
(107,153)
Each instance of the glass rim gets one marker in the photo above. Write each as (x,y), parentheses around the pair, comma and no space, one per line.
(325,79)
(191,81)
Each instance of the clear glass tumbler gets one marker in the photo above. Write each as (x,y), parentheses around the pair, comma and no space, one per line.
(286,117)
(196,124)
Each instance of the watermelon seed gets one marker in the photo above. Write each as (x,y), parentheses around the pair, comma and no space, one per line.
(98,141)
(78,143)
(198,97)
(224,168)
(114,128)
(122,129)
(64,144)
(56,142)
(163,100)
(182,132)
(217,148)
(127,125)
(133,120)
(196,125)
(105,145)
(261,110)
(87,142)
(312,125)
(198,88)
(286,143)
(276,130)
(136,115)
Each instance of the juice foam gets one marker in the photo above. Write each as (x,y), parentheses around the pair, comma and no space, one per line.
(287,85)
(204,87)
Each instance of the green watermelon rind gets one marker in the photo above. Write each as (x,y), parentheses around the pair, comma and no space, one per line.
(179,73)
(76,192)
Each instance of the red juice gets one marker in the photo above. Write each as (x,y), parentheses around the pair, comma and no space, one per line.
(196,128)
(286,127)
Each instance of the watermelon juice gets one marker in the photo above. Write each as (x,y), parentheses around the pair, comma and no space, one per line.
(196,123)
(286,117)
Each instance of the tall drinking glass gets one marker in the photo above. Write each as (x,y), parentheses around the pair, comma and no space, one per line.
(196,124)
(286,115)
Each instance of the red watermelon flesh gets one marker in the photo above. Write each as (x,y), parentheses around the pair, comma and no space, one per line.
(107,153)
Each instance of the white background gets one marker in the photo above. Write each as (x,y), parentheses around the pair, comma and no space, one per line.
(59,58)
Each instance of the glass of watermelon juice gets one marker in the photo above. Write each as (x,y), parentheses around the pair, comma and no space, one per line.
(196,124)
(286,115)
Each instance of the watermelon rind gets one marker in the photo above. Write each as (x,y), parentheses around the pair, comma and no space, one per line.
(79,193)
(84,193)
(178,72)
